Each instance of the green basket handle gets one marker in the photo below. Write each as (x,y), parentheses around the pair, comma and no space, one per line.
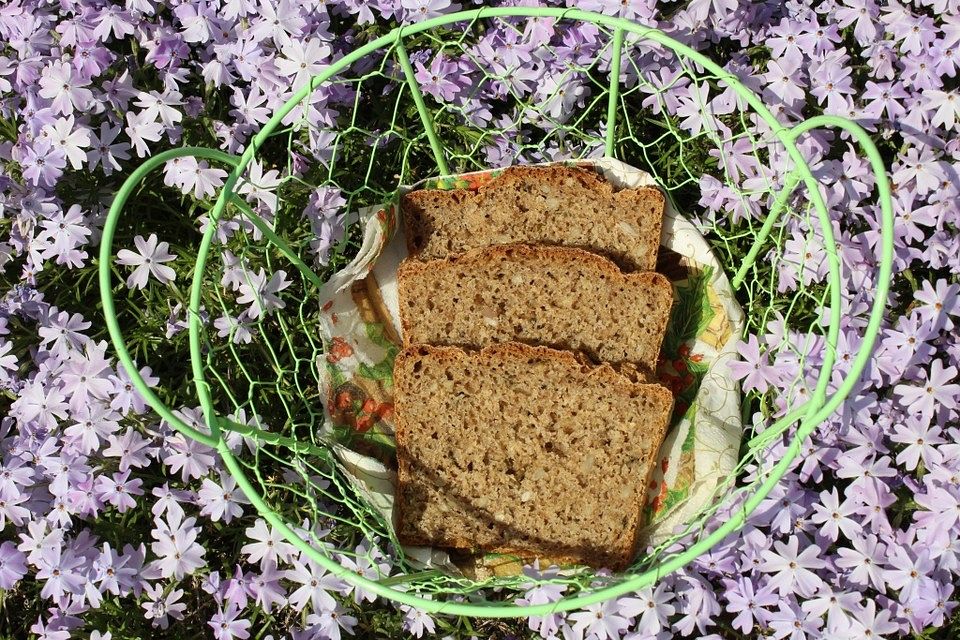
(819,407)
(106,286)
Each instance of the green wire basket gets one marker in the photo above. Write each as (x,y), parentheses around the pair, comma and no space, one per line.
(262,408)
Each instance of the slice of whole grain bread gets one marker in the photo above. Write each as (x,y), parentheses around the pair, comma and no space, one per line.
(551,296)
(524,450)
(555,205)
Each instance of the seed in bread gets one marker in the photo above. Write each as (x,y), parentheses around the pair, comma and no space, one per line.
(523,450)
(550,296)
(555,205)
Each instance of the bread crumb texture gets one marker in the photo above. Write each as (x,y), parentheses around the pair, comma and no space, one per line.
(526,450)
(547,296)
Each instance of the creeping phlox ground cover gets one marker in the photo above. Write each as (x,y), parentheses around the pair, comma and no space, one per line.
(114,526)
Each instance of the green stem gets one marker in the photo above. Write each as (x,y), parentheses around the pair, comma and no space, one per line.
(425,117)
(614,95)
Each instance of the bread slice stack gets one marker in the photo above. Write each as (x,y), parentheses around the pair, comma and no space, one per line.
(522,304)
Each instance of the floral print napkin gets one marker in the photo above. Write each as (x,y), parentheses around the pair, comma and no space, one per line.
(361,320)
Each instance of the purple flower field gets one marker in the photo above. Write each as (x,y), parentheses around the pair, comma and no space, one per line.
(113,526)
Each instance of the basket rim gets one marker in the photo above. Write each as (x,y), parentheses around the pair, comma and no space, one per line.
(810,414)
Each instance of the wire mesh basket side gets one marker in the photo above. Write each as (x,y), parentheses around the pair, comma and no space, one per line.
(255,338)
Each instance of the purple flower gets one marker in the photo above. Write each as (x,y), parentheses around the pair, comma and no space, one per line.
(133,450)
(250,108)
(933,393)
(748,603)
(221,501)
(560,94)
(105,151)
(419,10)
(940,514)
(260,186)
(126,398)
(142,129)
(921,168)
(303,62)
(70,138)
(188,175)
(191,458)
(862,12)
(696,109)
(159,607)
(66,231)
(261,293)
(793,570)
(13,565)
(864,560)
(118,574)
(915,33)
(935,605)
(227,624)
(85,375)
(8,361)
(542,592)
(834,516)
(874,497)
(921,441)
(119,490)
(831,82)
(603,621)
(149,261)
(885,99)
(265,588)
(946,107)
(818,40)
(42,162)
(316,586)
(838,606)
(783,38)
(176,547)
(239,330)
(754,369)
(417,622)
(268,546)
(784,80)
(67,91)
(366,562)
(869,625)
(907,345)
(279,21)
(939,304)
(436,79)
(653,608)
(113,20)
(910,572)
(790,621)
(61,569)
(331,624)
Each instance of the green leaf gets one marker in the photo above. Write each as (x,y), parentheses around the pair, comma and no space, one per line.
(336,376)
(376,335)
(674,497)
(691,313)
(383,370)
(689,441)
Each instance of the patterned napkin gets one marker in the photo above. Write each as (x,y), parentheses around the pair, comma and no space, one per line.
(361,322)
